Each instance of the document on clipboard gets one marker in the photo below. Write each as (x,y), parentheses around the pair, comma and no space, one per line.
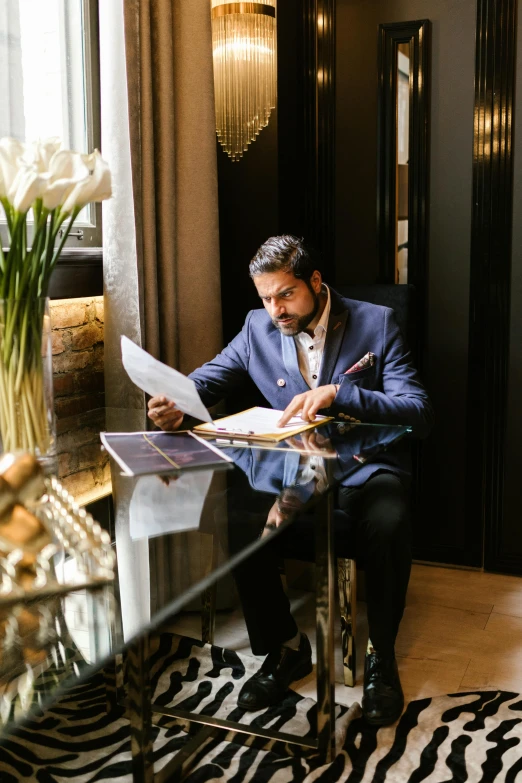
(156,378)
(258,424)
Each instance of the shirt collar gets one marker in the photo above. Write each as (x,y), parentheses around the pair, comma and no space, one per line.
(323,322)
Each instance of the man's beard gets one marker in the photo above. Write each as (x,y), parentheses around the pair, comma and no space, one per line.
(299,323)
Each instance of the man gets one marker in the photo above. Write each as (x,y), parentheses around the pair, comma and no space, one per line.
(309,351)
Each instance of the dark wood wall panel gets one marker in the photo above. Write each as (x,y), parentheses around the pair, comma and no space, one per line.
(290,110)
(313,172)
(77,273)
(356,242)
(440,532)
(306,84)
(502,512)
(285,181)
(490,272)
(319,115)
(248,215)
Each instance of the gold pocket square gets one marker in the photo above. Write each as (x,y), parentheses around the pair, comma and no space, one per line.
(368,360)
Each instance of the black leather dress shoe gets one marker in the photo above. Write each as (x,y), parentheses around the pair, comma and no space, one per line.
(383,700)
(269,684)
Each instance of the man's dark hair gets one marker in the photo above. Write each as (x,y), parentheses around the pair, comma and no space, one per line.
(286,253)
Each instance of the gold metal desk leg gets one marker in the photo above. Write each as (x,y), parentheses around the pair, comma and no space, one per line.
(325,643)
(208,597)
(346,578)
(139,710)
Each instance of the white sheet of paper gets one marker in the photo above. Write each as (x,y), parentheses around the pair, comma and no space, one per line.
(157,508)
(156,378)
(262,421)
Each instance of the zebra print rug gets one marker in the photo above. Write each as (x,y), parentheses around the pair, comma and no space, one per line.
(474,737)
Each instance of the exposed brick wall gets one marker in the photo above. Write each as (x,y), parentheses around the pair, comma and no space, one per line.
(83,467)
(77,335)
(77,344)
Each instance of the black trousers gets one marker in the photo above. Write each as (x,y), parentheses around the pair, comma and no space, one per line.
(371,524)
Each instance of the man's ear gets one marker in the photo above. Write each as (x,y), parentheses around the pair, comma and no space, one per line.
(316,281)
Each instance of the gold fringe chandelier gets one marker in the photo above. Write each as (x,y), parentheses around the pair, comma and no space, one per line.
(245,70)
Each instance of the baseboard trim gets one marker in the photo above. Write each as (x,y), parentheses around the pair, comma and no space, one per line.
(447,565)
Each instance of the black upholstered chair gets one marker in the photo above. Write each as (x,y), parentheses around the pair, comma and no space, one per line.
(401,298)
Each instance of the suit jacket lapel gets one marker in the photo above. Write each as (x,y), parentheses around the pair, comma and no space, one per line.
(291,362)
(334,337)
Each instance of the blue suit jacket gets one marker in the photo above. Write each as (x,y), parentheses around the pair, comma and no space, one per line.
(390,392)
(272,471)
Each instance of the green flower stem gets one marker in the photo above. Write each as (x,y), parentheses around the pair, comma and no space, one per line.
(23,344)
(27,428)
(11,256)
(12,312)
(4,407)
(24,281)
(10,395)
(59,249)
(8,214)
(36,422)
(23,417)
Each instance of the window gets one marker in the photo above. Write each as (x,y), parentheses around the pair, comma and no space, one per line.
(49,83)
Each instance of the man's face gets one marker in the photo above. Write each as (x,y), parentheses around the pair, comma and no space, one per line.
(291,303)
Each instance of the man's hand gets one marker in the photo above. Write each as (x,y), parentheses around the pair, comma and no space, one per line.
(164,413)
(311,442)
(287,503)
(273,520)
(307,404)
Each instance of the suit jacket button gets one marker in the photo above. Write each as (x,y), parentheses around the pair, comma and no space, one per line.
(281,382)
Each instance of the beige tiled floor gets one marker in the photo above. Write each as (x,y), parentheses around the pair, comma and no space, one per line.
(462,630)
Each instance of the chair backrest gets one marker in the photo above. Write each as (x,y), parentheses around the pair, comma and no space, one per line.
(401,298)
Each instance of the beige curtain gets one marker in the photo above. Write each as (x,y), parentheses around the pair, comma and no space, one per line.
(160,228)
(174,176)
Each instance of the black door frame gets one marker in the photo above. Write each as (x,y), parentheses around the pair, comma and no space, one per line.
(490,282)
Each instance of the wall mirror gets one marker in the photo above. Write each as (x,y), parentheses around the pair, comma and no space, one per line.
(403,149)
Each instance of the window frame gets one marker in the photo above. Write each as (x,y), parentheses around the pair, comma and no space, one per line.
(86,234)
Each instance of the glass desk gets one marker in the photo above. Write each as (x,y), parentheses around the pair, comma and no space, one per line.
(175,536)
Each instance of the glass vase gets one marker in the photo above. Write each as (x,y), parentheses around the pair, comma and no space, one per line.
(27,420)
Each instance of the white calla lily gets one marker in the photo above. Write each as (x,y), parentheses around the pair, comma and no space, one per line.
(42,152)
(97,187)
(4,184)
(66,170)
(12,153)
(28,185)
